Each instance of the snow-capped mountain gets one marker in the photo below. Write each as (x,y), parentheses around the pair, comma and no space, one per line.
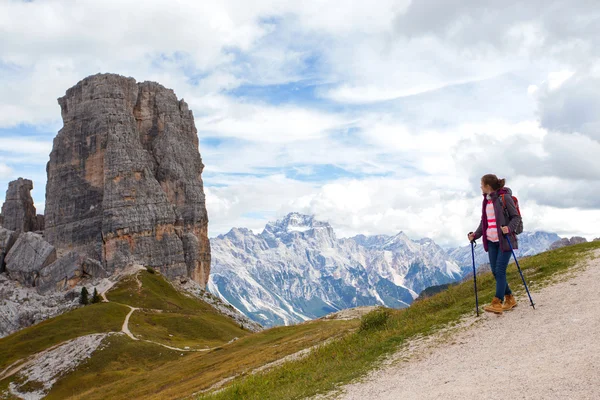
(297,269)
(530,243)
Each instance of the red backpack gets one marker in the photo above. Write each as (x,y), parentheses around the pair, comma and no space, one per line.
(519,228)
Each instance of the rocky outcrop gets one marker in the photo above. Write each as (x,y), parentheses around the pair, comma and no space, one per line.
(567,242)
(7,240)
(124,179)
(67,271)
(21,306)
(18,211)
(27,257)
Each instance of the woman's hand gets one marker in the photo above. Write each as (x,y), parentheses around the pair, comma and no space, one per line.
(505,229)
(471,236)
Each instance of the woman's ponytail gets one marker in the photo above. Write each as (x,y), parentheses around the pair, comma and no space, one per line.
(493,181)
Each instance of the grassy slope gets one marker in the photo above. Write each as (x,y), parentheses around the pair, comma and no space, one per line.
(354,355)
(190,321)
(197,331)
(125,369)
(95,318)
(156,293)
(117,375)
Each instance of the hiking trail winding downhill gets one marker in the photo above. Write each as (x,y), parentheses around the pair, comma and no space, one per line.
(552,352)
(125,327)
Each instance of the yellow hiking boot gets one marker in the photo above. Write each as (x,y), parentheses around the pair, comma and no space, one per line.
(495,307)
(509,302)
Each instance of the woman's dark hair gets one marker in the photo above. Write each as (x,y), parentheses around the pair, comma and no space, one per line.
(493,181)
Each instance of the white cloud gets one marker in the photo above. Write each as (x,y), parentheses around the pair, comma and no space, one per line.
(573,105)
(227,206)
(433,94)
(556,79)
(5,171)
(25,146)
(265,123)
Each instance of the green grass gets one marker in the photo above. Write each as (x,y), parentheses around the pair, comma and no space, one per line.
(4,392)
(127,368)
(119,358)
(156,293)
(351,357)
(94,318)
(197,331)
(189,320)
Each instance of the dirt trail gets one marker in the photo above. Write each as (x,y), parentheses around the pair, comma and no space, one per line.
(552,352)
(125,328)
(126,331)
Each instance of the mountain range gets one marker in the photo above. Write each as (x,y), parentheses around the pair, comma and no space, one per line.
(296,269)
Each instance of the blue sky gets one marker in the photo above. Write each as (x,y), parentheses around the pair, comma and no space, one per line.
(377,117)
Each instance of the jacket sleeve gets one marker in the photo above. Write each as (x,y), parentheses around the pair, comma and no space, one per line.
(513,214)
(479,232)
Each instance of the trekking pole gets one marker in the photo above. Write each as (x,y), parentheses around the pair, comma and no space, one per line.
(520,272)
(475,277)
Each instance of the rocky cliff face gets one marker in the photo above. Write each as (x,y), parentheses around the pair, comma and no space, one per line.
(124,179)
(18,211)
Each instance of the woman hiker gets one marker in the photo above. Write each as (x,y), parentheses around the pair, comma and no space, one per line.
(497,220)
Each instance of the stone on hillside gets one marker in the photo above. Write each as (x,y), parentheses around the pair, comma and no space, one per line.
(124,179)
(67,271)
(596,239)
(7,240)
(93,268)
(61,274)
(18,210)
(27,257)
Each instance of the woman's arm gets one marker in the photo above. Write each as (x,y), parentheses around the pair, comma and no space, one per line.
(479,232)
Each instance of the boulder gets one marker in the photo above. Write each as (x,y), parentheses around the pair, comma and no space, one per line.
(68,271)
(61,274)
(27,257)
(7,240)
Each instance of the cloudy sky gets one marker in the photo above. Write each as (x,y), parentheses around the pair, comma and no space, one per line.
(375,116)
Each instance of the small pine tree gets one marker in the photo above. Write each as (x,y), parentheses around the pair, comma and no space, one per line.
(83,299)
(96,297)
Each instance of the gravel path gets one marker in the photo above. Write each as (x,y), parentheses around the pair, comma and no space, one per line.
(552,352)
(125,328)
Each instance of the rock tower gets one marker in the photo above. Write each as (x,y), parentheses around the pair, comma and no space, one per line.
(124,179)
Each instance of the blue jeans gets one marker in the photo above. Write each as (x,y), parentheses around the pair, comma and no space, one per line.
(498,262)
